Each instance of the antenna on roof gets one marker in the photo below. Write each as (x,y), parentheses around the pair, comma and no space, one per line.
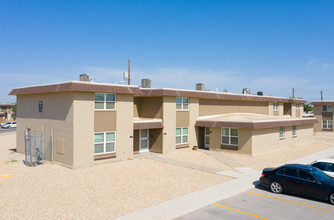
(129,72)
(321,95)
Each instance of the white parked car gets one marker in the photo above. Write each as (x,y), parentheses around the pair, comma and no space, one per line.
(326,165)
(9,125)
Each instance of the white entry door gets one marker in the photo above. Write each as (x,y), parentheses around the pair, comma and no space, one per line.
(207,137)
(143,140)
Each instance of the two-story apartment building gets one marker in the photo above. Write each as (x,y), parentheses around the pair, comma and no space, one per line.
(6,112)
(95,121)
(323,112)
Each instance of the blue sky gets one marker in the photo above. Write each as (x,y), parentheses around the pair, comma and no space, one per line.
(269,46)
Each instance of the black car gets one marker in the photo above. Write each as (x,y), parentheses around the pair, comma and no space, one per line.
(299,179)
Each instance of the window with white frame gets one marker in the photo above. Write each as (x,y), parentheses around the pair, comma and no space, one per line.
(327,124)
(105,101)
(327,108)
(182,103)
(281,132)
(104,142)
(182,135)
(294,132)
(230,136)
(297,105)
(275,106)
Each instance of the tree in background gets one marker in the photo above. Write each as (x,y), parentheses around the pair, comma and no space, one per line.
(308,108)
(14,110)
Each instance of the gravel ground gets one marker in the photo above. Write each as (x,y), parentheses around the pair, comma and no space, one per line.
(103,191)
(197,157)
(277,158)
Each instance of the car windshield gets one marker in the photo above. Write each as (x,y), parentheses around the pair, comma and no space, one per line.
(319,174)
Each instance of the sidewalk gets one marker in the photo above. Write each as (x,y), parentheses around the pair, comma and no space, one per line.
(185,204)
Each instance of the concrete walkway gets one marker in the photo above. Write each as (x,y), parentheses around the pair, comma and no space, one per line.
(185,204)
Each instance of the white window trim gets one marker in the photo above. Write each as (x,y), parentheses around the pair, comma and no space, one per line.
(229,137)
(181,135)
(182,108)
(327,108)
(105,102)
(294,135)
(279,133)
(327,127)
(104,143)
(277,107)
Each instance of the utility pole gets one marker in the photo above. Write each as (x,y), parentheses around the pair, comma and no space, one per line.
(293,93)
(129,71)
(321,95)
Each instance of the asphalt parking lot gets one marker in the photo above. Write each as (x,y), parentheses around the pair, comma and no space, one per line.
(262,204)
(7,130)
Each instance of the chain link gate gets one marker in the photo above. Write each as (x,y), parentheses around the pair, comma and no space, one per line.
(37,147)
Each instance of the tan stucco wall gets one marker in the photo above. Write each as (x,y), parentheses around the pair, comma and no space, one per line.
(136,141)
(182,119)
(104,121)
(245,141)
(150,107)
(215,139)
(83,129)
(193,116)
(57,114)
(136,107)
(213,107)
(267,140)
(156,140)
(318,115)
(169,123)
(124,129)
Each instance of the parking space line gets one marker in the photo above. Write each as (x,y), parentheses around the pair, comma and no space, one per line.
(285,200)
(240,211)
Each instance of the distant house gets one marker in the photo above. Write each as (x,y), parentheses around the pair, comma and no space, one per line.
(6,112)
(323,112)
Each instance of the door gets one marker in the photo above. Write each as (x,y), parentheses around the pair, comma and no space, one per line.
(144,140)
(206,138)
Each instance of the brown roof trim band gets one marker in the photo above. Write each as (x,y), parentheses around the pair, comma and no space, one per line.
(213,95)
(75,86)
(252,125)
(323,103)
(147,125)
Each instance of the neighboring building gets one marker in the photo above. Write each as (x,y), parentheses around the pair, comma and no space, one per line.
(94,121)
(6,113)
(323,112)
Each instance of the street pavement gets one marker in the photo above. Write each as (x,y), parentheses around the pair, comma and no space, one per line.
(9,130)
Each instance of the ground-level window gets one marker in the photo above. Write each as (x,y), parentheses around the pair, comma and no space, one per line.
(281,132)
(104,142)
(105,101)
(230,136)
(327,124)
(182,135)
(327,108)
(297,105)
(182,103)
(275,106)
(294,132)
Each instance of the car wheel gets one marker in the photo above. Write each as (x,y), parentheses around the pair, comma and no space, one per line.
(331,198)
(276,187)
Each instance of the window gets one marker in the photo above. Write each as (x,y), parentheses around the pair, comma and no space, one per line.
(327,124)
(297,105)
(280,172)
(275,106)
(291,172)
(327,108)
(104,142)
(281,132)
(182,103)
(182,135)
(330,167)
(230,136)
(320,165)
(306,176)
(294,133)
(105,101)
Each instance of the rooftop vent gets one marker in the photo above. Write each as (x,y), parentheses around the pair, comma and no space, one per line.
(200,86)
(146,83)
(85,77)
(246,91)
(260,93)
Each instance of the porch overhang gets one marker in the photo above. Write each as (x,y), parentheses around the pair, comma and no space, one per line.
(252,121)
(147,123)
